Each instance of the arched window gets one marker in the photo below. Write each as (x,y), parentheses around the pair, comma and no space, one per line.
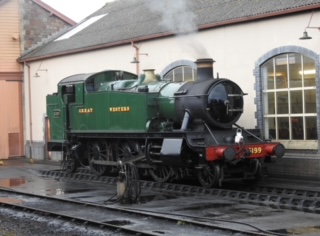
(289,97)
(181,73)
(181,70)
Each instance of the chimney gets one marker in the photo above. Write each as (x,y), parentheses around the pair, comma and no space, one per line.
(204,69)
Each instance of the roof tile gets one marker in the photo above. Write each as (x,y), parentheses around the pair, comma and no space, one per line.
(128,20)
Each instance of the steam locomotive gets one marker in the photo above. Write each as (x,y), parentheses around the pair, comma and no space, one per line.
(169,130)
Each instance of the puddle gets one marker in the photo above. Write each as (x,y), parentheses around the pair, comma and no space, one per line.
(7,183)
(314,230)
(10,200)
(118,222)
(151,198)
(214,214)
(68,191)
(80,197)
(63,191)
(206,206)
(60,191)
(54,192)
(159,232)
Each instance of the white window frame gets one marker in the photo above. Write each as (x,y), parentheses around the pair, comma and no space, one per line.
(289,143)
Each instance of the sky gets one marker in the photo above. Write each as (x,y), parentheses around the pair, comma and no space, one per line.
(76,9)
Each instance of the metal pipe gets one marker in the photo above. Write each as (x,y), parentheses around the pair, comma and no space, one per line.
(137,57)
(30,109)
(185,121)
(208,128)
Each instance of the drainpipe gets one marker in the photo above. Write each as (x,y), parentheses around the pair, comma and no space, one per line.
(137,57)
(30,111)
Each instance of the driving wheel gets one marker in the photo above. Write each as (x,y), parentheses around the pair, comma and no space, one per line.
(98,151)
(209,175)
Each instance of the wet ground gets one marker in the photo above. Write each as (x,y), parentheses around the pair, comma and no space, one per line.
(21,175)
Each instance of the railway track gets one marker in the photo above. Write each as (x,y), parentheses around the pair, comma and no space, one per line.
(305,200)
(117,219)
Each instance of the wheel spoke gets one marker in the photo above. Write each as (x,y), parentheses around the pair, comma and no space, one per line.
(161,173)
(209,176)
(98,151)
(127,149)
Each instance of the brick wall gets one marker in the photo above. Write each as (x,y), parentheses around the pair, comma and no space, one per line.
(38,25)
(300,166)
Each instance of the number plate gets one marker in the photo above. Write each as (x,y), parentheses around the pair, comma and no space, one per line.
(56,113)
(256,150)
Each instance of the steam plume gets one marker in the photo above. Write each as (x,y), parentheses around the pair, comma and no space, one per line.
(178,18)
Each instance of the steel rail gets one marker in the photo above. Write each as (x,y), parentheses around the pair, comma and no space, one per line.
(158,215)
(74,219)
(283,198)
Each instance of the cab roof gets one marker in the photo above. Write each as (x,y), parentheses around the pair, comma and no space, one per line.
(81,78)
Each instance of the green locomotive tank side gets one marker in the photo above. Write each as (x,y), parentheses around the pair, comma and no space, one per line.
(106,103)
(108,111)
(64,106)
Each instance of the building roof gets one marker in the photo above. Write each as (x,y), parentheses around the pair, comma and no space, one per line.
(54,12)
(123,21)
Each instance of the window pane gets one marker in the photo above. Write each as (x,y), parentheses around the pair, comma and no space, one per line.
(283,124)
(294,69)
(271,103)
(267,75)
(297,128)
(169,76)
(281,72)
(311,128)
(309,80)
(296,102)
(178,76)
(282,102)
(309,72)
(195,75)
(272,128)
(310,101)
(188,73)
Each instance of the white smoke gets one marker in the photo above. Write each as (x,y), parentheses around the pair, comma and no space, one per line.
(178,18)
(175,15)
